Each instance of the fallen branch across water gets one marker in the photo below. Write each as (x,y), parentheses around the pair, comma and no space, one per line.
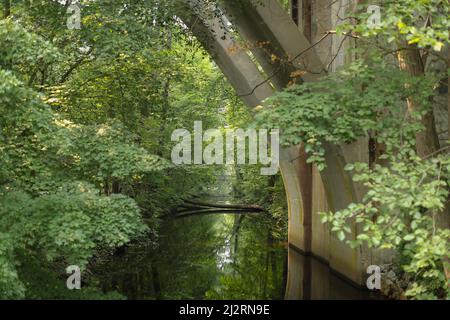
(218,211)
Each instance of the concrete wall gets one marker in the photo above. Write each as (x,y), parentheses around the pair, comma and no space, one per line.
(321,232)
(311,279)
(339,190)
(296,231)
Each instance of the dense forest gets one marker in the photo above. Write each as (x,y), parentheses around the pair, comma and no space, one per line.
(91,92)
(86,122)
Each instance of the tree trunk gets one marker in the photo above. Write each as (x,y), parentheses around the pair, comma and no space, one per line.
(447,209)
(427,140)
(235,235)
(6,8)
(166,104)
(156,281)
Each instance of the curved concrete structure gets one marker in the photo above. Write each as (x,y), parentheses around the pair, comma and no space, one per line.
(294,199)
(307,190)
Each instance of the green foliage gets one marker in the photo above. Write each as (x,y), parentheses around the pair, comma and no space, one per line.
(10,286)
(404,198)
(22,51)
(85,123)
(424,23)
(43,209)
(256,270)
(101,152)
(48,207)
(402,209)
(361,98)
(257,242)
(44,281)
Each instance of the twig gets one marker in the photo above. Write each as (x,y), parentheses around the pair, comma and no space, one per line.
(278,70)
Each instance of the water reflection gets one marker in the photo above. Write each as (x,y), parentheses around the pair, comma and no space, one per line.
(224,255)
(310,279)
(220,257)
(201,257)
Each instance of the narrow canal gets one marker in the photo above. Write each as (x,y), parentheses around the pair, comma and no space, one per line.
(220,256)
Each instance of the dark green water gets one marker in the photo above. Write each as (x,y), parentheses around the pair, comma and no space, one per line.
(205,257)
